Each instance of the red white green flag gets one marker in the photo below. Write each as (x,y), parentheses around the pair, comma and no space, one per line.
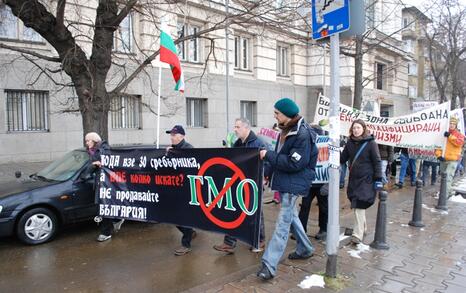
(169,54)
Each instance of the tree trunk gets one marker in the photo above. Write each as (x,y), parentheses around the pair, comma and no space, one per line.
(94,108)
(358,87)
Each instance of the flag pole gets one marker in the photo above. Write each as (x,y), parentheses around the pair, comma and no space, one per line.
(158,105)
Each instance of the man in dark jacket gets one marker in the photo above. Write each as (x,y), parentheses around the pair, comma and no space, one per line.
(293,165)
(246,139)
(177,134)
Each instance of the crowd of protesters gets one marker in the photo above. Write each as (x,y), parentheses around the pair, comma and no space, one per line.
(290,171)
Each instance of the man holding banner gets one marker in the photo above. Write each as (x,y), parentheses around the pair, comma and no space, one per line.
(455,141)
(246,138)
(177,134)
(293,164)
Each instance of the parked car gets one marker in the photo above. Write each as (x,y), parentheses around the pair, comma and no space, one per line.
(35,208)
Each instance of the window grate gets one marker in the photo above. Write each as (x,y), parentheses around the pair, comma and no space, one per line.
(27,110)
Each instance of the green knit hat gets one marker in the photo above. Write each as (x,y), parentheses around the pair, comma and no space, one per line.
(287,107)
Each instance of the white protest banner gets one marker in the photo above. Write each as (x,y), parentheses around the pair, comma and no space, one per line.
(419,106)
(269,137)
(322,160)
(422,130)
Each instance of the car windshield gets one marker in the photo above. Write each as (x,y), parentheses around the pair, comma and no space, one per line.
(64,168)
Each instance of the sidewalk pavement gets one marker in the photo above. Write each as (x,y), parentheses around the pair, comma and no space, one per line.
(429,259)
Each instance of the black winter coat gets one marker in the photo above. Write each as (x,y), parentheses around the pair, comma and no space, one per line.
(363,172)
(100,148)
(386,152)
(182,145)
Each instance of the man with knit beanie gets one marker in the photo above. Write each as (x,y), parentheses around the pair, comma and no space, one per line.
(293,170)
(455,141)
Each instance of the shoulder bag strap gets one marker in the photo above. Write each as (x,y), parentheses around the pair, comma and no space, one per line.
(357,154)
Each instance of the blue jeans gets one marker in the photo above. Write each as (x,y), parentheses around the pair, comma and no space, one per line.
(384,164)
(405,160)
(342,174)
(287,218)
(425,171)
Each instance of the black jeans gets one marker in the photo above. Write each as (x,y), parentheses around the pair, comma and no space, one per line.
(106,226)
(187,235)
(231,241)
(425,171)
(322,202)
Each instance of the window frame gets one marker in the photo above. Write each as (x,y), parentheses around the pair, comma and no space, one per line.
(380,78)
(119,45)
(121,118)
(243,111)
(185,48)
(21,31)
(412,66)
(26,109)
(242,53)
(283,64)
(191,115)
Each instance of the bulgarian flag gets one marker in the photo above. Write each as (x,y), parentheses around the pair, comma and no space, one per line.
(169,54)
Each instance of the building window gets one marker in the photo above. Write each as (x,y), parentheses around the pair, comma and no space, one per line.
(13,28)
(380,76)
(412,68)
(188,50)
(196,112)
(282,61)
(412,91)
(126,112)
(249,111)
(27,110)
(242,53)
(409,46)
(123,42)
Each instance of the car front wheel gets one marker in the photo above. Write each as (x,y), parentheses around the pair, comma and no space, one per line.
(37,226)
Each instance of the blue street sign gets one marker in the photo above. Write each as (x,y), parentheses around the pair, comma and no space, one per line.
(329,17)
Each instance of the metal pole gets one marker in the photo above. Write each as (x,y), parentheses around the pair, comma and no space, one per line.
(416,220)
(442,197)
(227,66)
(158,105)
(333,226)
(380,236)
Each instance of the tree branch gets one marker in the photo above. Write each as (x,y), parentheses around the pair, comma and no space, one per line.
(32,53)
(61,12)
(124,12)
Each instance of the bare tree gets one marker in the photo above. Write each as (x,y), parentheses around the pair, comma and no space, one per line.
(62,27)
(369,41)
(447,48)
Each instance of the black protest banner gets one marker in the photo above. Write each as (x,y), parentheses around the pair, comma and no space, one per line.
(212,189)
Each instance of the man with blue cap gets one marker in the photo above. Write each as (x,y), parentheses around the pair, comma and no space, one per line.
(293,169)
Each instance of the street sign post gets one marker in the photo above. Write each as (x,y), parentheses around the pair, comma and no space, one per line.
(329,17)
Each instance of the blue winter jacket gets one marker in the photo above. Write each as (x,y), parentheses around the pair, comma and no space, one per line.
(293,166)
